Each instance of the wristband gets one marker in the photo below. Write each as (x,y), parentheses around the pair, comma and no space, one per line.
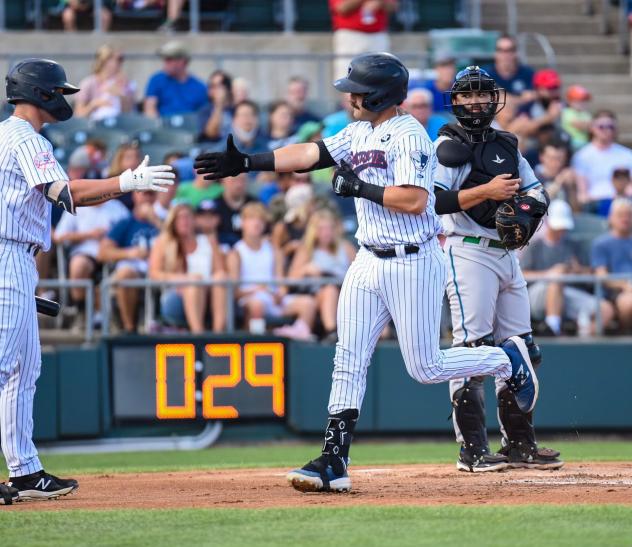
(261,162)
(447,202)
(372,192)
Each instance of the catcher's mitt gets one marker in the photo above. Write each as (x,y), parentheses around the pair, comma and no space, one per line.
(517,219)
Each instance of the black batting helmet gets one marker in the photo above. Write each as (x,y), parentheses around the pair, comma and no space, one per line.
(381,77)
(43,83)
(477,121)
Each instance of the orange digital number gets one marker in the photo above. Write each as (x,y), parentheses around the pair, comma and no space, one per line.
(275,379)
(163,352)
(233,352)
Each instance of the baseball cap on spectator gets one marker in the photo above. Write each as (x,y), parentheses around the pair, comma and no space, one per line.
(174,50)
(207,206)
(80,158)
(308,131)
(560,215)
(297,199)
(547,78)
(578,93)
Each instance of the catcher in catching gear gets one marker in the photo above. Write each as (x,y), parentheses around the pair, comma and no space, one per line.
(492,204)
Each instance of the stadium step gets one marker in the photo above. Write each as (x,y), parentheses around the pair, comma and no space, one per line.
(567,23)
(586,64)
(578,45)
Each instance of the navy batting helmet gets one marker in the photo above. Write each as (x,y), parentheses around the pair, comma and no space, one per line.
(43,83)
(381,77)
(476,117)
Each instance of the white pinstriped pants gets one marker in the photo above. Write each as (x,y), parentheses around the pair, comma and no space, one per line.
(410,291)
(20,357)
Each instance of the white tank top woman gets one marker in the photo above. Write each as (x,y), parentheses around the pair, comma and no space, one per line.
(200,261)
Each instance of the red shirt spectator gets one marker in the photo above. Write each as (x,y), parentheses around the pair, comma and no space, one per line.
(360,15)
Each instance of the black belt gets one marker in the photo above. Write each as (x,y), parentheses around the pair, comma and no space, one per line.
(33,249)
(389,252)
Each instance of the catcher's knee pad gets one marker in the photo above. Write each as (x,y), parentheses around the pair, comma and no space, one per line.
(534,350)
(518,427)
(469,413)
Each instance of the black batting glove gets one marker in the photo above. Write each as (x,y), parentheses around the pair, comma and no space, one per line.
(219,165)
(345,182)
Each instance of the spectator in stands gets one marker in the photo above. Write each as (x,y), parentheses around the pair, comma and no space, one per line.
(107,92)
(445,71)
(419,105)
(546,108)
(296,98)
(127,156)
(216,116)
(595,162)
(72,8)
(359,26)
(555,254)
(554,173)
(207,218)
(179,254)
(241,90)
(127,245)
(576,117)
(622,190)
(509,72)
(82,233)
(612,254)
(197,191)
(253,258)
(324,253)
(245,128)
(174,90)
(288,233)
(164,200)
(174,10)
(340,119)
(280,125)
(229,206)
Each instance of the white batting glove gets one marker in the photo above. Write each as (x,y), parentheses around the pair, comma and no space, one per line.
(147,177)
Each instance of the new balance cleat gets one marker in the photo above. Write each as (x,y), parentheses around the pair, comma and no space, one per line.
(523,381)
(480,461)
(8,494)
(319,476)
(525,456)
(43,486)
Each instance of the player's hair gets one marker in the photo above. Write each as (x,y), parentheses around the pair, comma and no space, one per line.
(115,165)
(103,54)
(175,256)
(310,238)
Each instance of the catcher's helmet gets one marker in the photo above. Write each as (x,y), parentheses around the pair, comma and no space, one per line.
(381,77)
(472,79)
(43,83)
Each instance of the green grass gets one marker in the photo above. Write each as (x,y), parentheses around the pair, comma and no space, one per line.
(289,455)
(524,526)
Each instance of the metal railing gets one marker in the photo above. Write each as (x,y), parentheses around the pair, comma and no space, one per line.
(85,284)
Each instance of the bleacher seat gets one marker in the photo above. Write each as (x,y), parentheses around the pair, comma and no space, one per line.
(467,45)
(130,123)
(185,122)
(219,11)
(587,228)
(62,134)
(255,15)
(312,17)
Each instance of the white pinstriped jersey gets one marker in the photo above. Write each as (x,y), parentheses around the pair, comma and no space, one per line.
(397,152)
(451,178)
(26,162)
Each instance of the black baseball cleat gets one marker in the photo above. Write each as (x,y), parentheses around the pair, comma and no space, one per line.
(43,486)
(525,456)
(523,381)
(480,461)
(319,476)
(8,494)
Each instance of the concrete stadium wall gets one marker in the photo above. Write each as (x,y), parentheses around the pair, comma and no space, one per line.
(268,77)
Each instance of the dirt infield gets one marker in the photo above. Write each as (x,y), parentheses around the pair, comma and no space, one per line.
(383,485)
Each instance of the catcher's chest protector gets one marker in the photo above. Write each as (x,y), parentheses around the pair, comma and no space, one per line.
(498,155)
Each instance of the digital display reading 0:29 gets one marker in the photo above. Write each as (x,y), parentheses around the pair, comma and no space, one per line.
(184,381)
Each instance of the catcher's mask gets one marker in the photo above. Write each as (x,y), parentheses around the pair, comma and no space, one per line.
(475,117)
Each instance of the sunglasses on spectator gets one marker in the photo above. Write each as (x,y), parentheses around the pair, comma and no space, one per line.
(420,105)
(506,49)
(606,126)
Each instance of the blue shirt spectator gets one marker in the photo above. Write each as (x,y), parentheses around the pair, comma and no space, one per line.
(507,70)
(445,72)
(173,90)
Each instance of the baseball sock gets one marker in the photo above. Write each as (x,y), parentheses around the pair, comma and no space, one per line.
(554,322)
(338,436)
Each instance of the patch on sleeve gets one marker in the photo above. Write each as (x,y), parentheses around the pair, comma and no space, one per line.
(44,160)
(420,160)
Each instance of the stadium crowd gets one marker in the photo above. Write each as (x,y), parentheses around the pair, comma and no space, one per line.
(258,226)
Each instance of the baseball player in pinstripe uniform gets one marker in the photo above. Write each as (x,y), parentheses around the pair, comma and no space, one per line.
(30,181)
(480,167)
(386,162)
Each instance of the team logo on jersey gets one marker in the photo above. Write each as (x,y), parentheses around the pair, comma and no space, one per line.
(44,160)
(420,160)
(368,158)
(386,138)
